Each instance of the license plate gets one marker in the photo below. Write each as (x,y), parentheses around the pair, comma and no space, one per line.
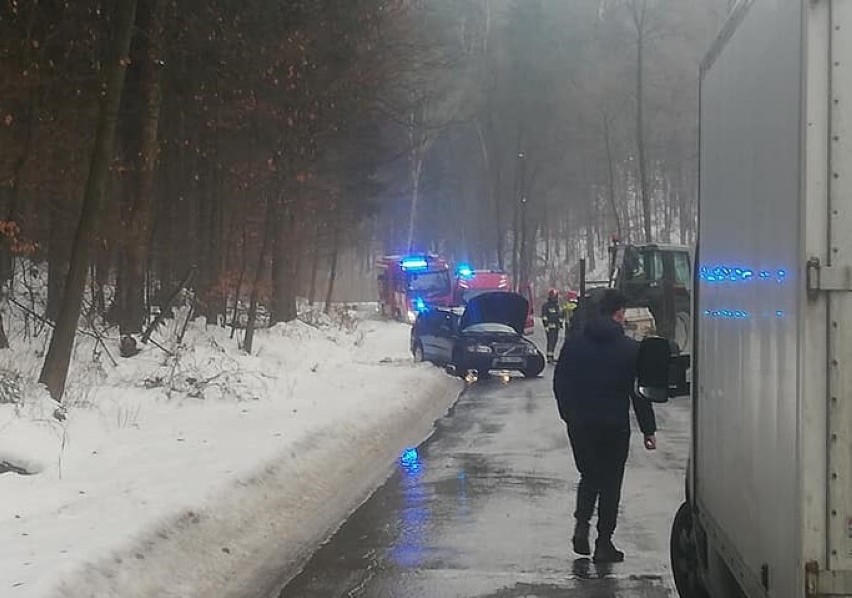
(508,361)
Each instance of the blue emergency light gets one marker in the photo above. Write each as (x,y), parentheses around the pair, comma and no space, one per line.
(414,263)
(465,271)
(419,304)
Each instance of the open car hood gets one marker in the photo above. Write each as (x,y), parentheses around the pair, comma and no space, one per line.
(500,307)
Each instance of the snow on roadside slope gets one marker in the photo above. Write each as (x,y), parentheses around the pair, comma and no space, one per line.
(190,496)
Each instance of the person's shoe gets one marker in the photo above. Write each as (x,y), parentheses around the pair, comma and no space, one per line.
(605,552)
(581,539)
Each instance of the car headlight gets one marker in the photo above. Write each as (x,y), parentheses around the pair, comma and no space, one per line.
(412,316)
(479,348)
(532,351)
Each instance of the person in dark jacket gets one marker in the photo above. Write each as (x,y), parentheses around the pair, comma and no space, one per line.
(594,385)
(551,319)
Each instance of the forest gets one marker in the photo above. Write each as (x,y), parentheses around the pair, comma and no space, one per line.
(240,150)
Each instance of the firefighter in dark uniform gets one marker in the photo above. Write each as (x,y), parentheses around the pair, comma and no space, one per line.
(594,387)
(551,318)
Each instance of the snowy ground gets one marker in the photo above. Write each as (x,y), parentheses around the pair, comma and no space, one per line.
(207,473)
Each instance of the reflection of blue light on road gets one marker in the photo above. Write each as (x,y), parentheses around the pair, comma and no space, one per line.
(461,495)
(409,456)
(408,550)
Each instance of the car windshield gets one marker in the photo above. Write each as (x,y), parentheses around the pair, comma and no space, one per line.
(432,283)
(471,293)
(491,328)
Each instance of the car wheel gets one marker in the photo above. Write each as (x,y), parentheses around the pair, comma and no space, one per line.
(418,352)
(684,556)
(534,368)
(458,363)
(532,372)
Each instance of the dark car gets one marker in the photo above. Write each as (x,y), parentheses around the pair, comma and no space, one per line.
(487,334)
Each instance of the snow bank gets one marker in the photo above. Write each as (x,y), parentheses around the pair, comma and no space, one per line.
(30,436)
(210,472)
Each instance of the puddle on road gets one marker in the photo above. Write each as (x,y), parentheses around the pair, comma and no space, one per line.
(599,588)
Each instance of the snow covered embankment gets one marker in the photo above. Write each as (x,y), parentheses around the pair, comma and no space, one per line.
(214,497)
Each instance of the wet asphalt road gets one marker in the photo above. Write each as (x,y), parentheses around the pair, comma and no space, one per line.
(483,509)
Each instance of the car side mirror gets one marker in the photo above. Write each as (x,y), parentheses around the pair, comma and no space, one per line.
(661,370)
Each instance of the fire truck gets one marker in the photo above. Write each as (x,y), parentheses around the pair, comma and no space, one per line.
(470,283)
(409,284)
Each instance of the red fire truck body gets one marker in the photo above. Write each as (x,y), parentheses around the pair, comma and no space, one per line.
(409,284)
(470,283)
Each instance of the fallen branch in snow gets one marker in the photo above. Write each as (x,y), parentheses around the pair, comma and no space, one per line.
(6,467)
(146,336)
(182,373)
(160,347)
(44,320)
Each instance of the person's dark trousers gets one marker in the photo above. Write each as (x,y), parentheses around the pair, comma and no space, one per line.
(552,337)
(600,453)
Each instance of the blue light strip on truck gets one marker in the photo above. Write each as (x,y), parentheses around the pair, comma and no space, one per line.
(738,314)
(418,263)
(740,274)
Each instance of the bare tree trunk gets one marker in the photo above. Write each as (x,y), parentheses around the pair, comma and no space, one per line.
(418,140)
(13,212)
(611,176)
(239,287)
(268,228)
(284,258)
(4,340)
(31,119)
(492,174)
(640,20)
(55,369)
(590,240)
(517,209)
(57,261)
(139,217)
(683,216)
(315,261)
(332,275)
(667,211)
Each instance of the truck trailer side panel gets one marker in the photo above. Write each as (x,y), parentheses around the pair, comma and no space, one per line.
(750,297)
(773,448)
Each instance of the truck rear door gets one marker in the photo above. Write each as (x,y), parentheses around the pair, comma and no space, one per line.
(827,367)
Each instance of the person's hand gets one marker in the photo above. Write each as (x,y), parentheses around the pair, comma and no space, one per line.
(650,442)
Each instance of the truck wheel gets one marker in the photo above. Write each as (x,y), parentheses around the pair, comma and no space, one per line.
(684,556)
(683,331)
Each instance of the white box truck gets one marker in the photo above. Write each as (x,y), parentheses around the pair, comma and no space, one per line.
(768,508)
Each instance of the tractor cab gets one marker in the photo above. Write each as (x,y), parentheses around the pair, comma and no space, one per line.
(659,277)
